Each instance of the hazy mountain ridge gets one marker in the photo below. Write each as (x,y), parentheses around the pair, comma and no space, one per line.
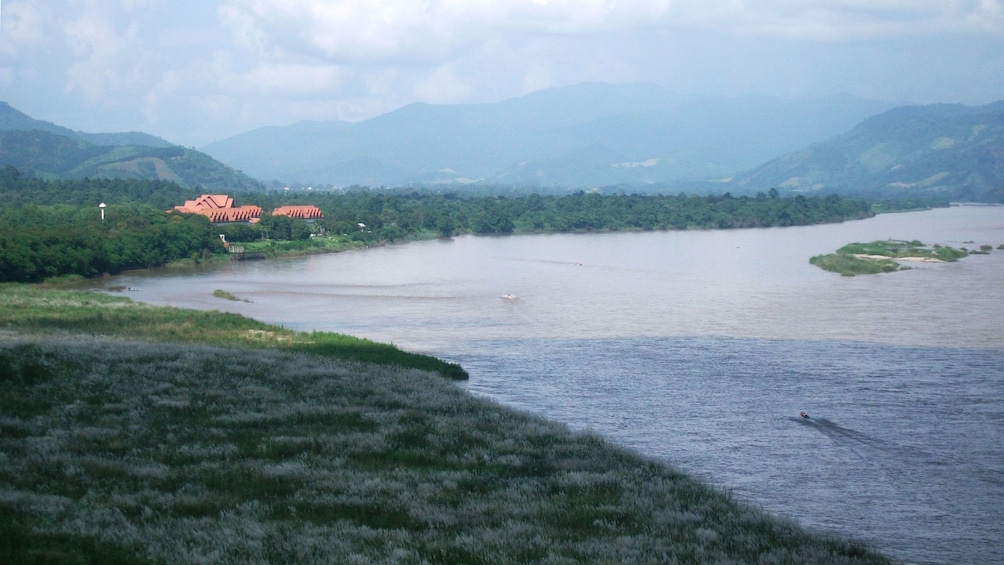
(13,119)
(50,151)
(584,136)
(946,150)
(579,136)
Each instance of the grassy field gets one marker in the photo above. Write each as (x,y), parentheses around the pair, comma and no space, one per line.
(146,449)
(33,309)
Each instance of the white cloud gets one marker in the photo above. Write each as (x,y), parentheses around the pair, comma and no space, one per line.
(104,55)
(292,79)
(205,69)
(24,24)
(443,85)
(850,20)
(433,30)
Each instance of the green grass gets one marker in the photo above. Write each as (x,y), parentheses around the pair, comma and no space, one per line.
(324,244)
(33,309)
(140,452)
(849,265)
(208,437)
(220,293)
(897,249)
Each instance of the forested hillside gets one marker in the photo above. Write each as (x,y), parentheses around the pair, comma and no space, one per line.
(49,151)
(945,150)
(52,156)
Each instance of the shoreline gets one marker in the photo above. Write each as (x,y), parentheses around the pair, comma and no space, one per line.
(309,449)
(914,259)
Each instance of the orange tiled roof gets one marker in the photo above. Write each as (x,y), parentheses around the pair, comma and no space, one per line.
(301,212)
(219,208)
(207,201)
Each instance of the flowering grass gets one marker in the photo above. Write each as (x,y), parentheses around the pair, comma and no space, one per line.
(33,309)
(125,451)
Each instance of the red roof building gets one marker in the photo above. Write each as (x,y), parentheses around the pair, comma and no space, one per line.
(219,208)
(299,212)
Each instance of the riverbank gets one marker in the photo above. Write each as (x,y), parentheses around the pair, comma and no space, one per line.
(196,448)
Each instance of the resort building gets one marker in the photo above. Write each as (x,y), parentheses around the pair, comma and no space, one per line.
(219,208)
(308,213)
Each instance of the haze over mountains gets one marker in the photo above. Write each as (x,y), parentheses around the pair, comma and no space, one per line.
(13,120)
(579,136)
(632,137)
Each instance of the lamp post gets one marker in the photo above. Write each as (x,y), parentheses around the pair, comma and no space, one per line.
(102,206)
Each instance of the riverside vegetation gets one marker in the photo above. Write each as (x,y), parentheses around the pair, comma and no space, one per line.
(882,256)
(53,229)
(247,448)
(131,433)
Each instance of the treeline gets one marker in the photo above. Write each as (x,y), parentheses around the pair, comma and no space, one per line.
(54,228)
(18,189)
(395,215)
(40,242)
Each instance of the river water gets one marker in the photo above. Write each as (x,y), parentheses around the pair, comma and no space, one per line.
(700,348)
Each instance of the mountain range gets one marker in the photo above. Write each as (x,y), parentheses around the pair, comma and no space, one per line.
(947,150)
(578,136)
(50,151)
(632,137)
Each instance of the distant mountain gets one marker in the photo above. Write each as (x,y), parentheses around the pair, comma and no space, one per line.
(53,152)
(952,151)
(12,119)
(579,136)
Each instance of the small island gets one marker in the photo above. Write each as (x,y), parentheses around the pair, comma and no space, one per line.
(884,256)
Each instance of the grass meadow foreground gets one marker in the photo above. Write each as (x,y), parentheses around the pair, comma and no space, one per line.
(128,451)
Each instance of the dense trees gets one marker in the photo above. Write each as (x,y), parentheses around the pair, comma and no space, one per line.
(53,228)
(41,242)
(16,189)
(581,211)
(50,229)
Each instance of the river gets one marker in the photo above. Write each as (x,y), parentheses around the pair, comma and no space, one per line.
(700,348)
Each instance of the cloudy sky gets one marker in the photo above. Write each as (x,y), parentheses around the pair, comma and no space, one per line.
(195,71)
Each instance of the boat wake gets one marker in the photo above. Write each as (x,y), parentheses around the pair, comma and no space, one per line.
(897,456)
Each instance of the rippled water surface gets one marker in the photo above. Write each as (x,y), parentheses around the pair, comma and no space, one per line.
(700,348)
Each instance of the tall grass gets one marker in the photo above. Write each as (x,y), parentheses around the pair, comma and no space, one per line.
(127,451)
(33,309)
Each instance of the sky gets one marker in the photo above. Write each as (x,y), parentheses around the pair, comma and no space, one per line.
(197,71)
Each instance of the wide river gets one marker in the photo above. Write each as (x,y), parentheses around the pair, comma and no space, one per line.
(700,348)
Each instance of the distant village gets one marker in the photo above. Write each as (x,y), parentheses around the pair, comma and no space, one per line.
(220,209)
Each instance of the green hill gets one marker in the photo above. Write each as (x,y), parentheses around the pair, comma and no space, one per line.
(946,151)
(53,156)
